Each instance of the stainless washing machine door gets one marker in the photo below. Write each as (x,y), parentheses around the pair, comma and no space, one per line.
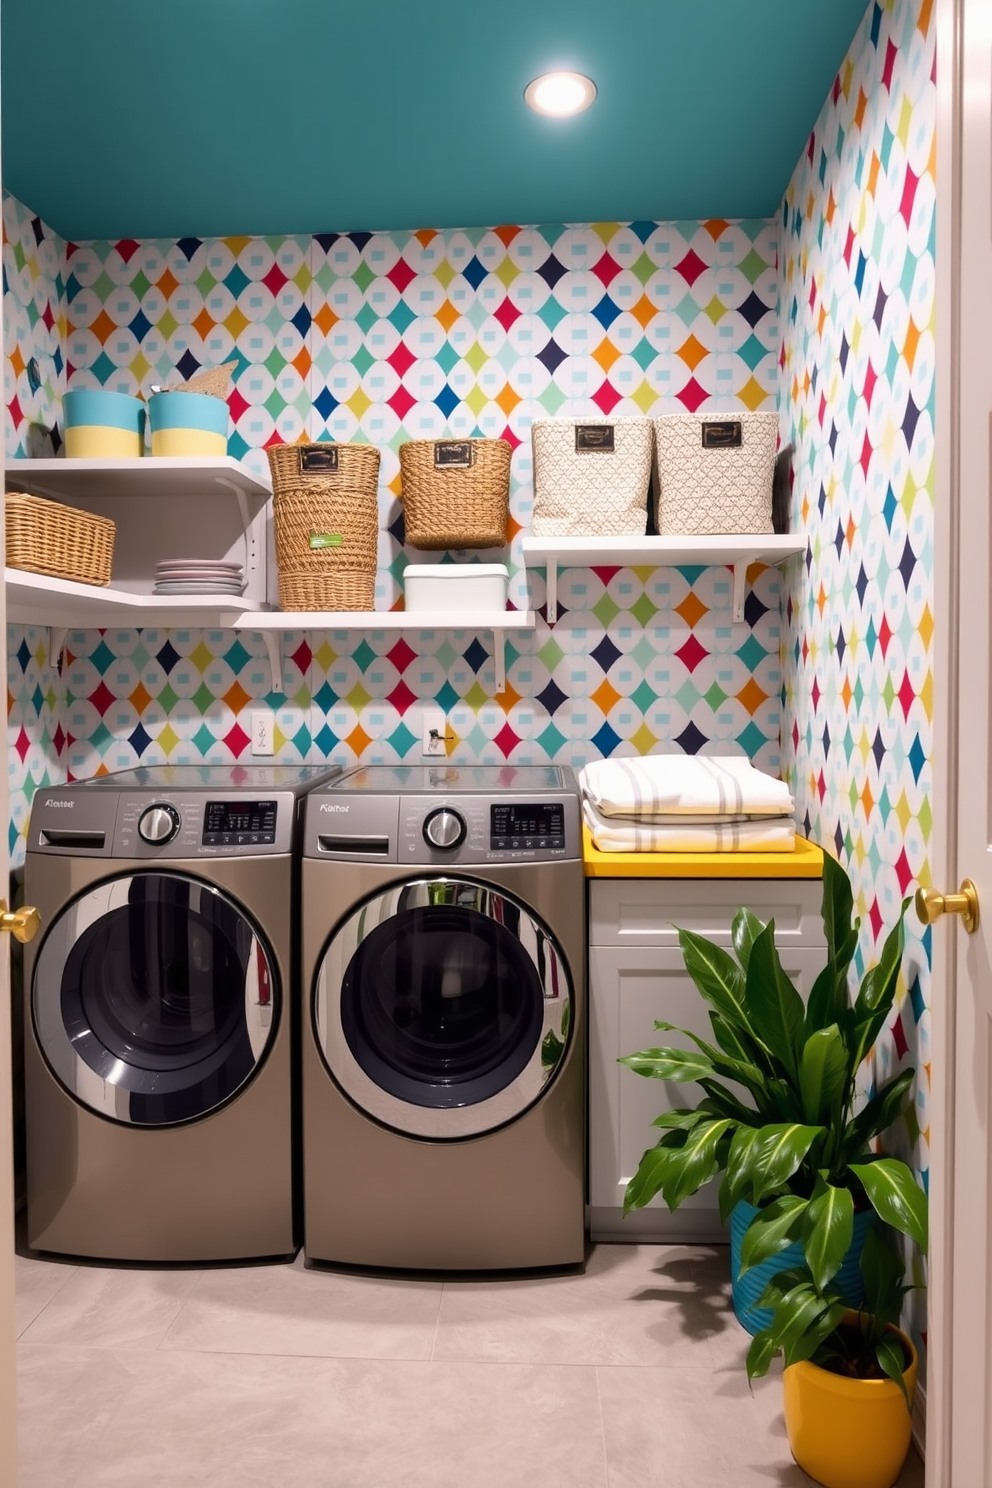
(442,1007)
(154,998)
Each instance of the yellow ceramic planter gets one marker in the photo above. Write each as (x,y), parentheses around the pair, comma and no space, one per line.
(848,1433)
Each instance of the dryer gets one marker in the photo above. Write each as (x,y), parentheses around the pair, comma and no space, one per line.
(158,1100)
(443,1037)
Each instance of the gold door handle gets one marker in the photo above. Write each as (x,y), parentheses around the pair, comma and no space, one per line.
(930,905)
(23,924)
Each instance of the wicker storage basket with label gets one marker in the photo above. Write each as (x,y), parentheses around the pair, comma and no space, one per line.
(715,473)
(48,538)
(456,492)
(591,477)
(326,513)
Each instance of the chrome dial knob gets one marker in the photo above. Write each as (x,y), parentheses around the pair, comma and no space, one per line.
(444,828)
(158,824)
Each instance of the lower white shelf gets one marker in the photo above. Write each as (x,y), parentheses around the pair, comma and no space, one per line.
(62,604)
(271,623)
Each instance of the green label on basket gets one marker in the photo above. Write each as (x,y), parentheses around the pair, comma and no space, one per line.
(326,539)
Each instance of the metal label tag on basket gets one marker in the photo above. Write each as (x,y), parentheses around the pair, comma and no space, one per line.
(454,454)
(326,540)
(722,434)
(318,459)
(594,439)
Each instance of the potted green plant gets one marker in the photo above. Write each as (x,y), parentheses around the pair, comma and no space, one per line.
(849,1375)
(779,1117)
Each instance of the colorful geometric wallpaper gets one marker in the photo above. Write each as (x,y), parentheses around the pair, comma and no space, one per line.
(383,338)
(858,359)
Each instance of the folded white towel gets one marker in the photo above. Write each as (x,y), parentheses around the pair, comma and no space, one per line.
(643,786)
(719,834)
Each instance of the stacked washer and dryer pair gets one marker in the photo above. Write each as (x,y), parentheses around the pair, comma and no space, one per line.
(283,1004)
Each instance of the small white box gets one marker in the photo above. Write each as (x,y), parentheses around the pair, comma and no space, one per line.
(456,586)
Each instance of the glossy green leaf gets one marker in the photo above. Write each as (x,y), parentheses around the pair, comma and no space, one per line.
(817,1332)
(669,1064)
(647,1181)
(882,1272)
(878,1115)
(823,1073)
(892,1361)
(742,1071)
(827,1232)
(877,988)
(681,1119)
(896,1197)
(772,1230)
(837,909)
(725,1103)
(739,1172)
(821,1004)
(736,1041)
(696,1163)
(775,1007)
(744,931)
(760,1354)
(716,974)
(776,1154)
(801,1311)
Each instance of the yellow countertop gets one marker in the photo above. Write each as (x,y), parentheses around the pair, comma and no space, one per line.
(805,862)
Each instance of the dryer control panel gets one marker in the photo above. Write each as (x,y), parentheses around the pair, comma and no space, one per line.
(429,820)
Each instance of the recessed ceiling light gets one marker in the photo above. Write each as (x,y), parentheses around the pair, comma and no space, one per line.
(560,93)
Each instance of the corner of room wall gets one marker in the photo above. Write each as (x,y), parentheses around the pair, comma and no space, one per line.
(857,304)
(34,311)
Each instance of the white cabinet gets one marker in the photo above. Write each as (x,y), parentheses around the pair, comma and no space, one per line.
(636,975)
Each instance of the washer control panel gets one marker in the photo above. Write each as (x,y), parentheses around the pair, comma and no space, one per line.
(239,823)
(521,826)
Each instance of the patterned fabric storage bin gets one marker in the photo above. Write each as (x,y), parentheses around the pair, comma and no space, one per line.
(591,477)
(715,473)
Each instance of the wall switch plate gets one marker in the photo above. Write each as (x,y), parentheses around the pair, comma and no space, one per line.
(263,731)
(435,728)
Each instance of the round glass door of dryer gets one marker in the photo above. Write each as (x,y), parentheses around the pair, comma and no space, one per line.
(154,999)
(442,1008)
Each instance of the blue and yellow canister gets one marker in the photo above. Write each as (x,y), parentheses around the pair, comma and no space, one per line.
(103,425)
(188,424)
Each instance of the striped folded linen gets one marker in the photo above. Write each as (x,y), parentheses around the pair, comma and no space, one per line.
(646,786)
(689,833)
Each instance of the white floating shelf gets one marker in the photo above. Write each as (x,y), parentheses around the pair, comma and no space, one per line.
(155,475)
(738,553)
(272,622)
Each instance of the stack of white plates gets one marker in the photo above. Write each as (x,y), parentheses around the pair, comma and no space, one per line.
(198,576)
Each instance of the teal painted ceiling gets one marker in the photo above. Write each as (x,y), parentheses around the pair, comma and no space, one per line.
(218,117)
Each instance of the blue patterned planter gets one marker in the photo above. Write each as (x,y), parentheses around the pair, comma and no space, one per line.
(748,1288)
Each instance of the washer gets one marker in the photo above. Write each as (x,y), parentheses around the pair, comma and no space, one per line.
(158,1013)
(444,1034)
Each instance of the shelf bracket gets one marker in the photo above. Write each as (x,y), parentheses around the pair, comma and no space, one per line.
(246,519)
(56,645)
(740,581)
(552,589)
(273,644)
(499,659)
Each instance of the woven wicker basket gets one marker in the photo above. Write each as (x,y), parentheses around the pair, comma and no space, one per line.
(456,492)
(49,538)
(341,590)
(326,515)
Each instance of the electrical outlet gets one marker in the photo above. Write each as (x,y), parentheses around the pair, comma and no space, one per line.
(435,728)
(263,730)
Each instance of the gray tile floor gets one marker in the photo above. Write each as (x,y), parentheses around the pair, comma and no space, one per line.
(627,1376)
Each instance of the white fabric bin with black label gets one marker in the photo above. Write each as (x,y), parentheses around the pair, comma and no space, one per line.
(591,477)
(714,473)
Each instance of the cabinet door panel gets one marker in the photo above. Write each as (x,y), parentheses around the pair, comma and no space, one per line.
(628,990)
(646,911)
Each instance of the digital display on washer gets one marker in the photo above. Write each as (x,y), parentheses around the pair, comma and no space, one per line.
(239,823)
(533,825)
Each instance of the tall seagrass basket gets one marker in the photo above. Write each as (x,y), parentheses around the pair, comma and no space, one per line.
(326,524)
(456,492)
